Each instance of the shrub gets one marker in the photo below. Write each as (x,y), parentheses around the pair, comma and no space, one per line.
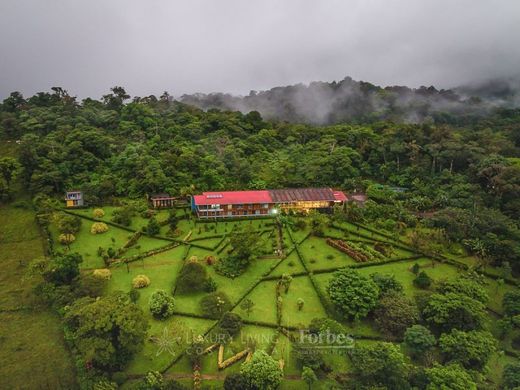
(89,286)
(66,239)
(386,283)
(119,377)
(235,381)
(134,295)
(511,303)
(67,224)
(215,304)
(98,228)
(123,215)
(230,323)
(326,325)
(511,376)
(291,263)
(210,285)
(140,281)
(192,277)
(102,273)
(308,355)
(422,280)
(98,213)
(467,287)
(161,304)
(153,228)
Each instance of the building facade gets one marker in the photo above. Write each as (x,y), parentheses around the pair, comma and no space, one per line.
(161,201)
(74,199)
(232,204)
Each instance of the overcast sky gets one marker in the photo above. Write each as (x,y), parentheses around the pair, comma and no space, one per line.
(148,46)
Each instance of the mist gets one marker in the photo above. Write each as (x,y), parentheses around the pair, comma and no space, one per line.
(235,46)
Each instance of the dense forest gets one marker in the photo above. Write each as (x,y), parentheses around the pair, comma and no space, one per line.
(466,176)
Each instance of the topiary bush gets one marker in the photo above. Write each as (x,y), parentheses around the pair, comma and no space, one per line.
(98,228)
(422,280)
(134,295)
(192,278)
(230,323)
(214,305)
(98,213)
(102,273)
(140,281)
(66,239)
(161,304)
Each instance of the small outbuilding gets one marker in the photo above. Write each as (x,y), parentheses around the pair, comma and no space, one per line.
(74,199)
(161,201)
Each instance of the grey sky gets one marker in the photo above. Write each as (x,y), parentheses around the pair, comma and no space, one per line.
(239,45)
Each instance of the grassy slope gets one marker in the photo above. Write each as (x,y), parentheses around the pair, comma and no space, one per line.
(32,349)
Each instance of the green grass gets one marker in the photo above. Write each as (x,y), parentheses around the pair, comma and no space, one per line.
(152,357)
(301,288)
(319,255)
(286,268)
(145,244)
(264,297)
(87,244)
(234,288)
(162,269)
(33,350)
(137,222)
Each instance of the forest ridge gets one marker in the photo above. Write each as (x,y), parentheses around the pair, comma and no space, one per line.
(359,101)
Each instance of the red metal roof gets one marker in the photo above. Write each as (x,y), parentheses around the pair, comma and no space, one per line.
(233,197)
(269,196)
(340,196)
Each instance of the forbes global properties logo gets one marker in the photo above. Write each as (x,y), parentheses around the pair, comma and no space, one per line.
(326,341)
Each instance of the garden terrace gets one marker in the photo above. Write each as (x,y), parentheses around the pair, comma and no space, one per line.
(308,258)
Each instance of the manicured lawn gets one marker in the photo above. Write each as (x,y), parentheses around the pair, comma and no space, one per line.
(290,265)
(264,297)
(319,255)
(234,288)
(301,288)
(162,269)
(361,230)
(137,222)
(300,234)
(145,244)
(87,243)
(283,350)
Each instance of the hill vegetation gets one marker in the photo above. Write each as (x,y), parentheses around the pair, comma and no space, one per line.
(423,279)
